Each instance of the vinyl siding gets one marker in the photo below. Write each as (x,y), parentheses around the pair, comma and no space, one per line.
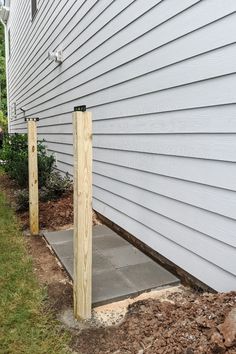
(160,80)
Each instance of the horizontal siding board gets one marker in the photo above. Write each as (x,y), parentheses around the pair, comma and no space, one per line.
(222,281)
(188,238)
(63,23)
(195,170)
(179,212)
(195,195)
(200,94)
(28,33)
(178,27)
(34,33)
(112,61)
(60,13)
(214,146)
(207,66)
(125,36)
(213,199)
(92,27)
(206,120)
(20,16)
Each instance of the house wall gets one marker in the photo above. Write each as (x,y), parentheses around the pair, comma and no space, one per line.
(160,80)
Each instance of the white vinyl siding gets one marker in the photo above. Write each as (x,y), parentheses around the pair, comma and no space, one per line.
(160,80)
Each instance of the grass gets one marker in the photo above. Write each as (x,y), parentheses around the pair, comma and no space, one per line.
(24,326)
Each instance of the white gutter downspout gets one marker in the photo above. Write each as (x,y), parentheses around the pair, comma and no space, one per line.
(4,14)
(7,81)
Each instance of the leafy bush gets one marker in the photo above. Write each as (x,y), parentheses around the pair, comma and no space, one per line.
(15,155)
(56,185)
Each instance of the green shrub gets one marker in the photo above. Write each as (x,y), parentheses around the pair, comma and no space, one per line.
(56,186)
(15,155)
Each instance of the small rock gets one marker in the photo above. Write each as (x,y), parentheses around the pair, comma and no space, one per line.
(228,329)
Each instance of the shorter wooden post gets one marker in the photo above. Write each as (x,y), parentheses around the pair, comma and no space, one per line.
(33,176)
(82,133)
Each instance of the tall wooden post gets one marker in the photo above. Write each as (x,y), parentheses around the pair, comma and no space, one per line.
(33,175)
(82,133)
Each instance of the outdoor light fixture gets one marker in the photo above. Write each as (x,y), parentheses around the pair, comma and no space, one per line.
(56,56)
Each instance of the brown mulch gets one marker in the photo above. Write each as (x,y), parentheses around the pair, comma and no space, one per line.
(53,214)
(186,326)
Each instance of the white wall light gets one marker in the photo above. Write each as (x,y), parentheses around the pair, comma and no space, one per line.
(56,56)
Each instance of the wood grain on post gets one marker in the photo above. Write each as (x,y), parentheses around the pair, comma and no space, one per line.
(82,127)
(33,177)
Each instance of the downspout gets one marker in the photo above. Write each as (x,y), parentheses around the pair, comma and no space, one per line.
(4,15)
(7,76)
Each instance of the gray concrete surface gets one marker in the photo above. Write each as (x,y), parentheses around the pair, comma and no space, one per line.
(119,269)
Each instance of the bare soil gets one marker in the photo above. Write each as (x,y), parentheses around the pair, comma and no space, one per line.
(183,323)
(50,274)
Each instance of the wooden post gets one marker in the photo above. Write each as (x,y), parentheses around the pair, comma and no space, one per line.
(33,176)
(82,133)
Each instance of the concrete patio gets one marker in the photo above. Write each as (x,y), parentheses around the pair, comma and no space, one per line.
(119,269)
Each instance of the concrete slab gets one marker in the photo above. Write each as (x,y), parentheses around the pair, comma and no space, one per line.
(64,250)
(116,285)
(125,256)
(119,269)
(102,243)
(146,276)
(59,236)
(100,263)
(68,263)
(101,230)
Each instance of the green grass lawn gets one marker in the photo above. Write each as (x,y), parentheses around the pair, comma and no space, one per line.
(24,326)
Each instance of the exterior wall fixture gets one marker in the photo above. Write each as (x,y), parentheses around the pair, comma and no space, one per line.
(56,56)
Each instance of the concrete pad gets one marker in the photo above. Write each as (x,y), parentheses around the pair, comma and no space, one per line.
(147,276)
(100,263)
(101,230)
(119,269)
(125,256)
(64,250)
(68,263)
(117,287)
(59,236)
(102,243)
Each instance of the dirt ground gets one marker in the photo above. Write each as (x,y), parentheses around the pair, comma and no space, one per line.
(183,322)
